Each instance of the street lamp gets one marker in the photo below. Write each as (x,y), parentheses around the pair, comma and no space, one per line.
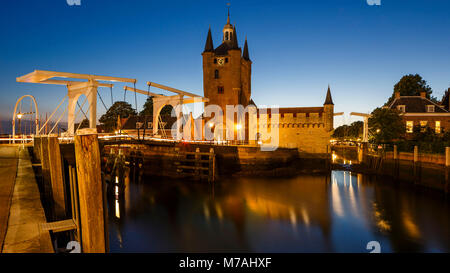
(19,116)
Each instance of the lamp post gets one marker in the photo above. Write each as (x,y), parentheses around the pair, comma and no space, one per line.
(19,116)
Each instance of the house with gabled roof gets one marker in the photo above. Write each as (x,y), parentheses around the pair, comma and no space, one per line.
(423,112)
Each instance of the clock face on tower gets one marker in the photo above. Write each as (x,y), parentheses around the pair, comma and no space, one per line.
(220,61)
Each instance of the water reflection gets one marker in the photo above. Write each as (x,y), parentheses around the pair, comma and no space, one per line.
(341,212)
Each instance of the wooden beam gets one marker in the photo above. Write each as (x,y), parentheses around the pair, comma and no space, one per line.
(359,114)
(142,91)
(196,99)
(163,87)
(90,188)
(38,76)
(74,83)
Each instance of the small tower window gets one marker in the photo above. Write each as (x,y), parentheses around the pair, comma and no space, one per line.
(215,61)
(226,35)
(226,60)
(231,35)
(220,89)
(216,74)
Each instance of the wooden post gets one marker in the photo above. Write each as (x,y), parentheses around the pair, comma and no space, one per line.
(416,166)
(45,169)
(90,188)
(57,180)
(396,163)
(37,147)
(447,170)
(198,164)
(212,166)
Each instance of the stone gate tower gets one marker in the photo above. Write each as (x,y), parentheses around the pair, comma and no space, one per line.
(226,70)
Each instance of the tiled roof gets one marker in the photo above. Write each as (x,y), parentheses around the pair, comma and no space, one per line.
(416,104)
(222,50)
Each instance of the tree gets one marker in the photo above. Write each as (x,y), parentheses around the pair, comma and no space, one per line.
(424,134)
(148,108)
(386,125)
(353,130)
(119,108)
(411,85)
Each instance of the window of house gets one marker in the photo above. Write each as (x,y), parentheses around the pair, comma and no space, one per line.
(430,108)
(139,125)
(409,126)
(216,74)
(220,89)
(423,125)
(226,60)
(215,61)
(437,127)
(401,108)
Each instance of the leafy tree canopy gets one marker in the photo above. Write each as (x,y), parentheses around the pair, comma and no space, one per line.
(385,125)
(411,85)
(352,131)
(119,108)
(148,108)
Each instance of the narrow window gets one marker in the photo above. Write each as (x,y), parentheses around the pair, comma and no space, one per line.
(231,35)
(215,61)
(401,108)
(220,89)
(437,127)
(216,74)
(409,126)
(423,126)
(226,60)
(226,35)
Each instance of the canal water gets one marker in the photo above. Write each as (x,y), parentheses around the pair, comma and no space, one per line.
(338,212)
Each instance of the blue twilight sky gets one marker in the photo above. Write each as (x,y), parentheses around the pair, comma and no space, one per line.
(297,47)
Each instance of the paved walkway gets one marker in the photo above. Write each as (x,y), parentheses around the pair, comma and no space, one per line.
(26,212)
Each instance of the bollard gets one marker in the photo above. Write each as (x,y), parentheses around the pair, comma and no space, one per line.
(57,180)
(90,188)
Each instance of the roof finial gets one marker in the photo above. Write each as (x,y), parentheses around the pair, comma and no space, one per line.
(228,18)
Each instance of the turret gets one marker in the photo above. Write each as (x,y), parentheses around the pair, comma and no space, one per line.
(328,115)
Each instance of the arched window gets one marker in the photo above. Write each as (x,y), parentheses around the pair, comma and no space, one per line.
(216,74)
(231,35)
(226,35)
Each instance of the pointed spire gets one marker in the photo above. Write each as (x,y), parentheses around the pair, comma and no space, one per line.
(234,44)
(245,54)
(209,47)
(328,100)
(228,18)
